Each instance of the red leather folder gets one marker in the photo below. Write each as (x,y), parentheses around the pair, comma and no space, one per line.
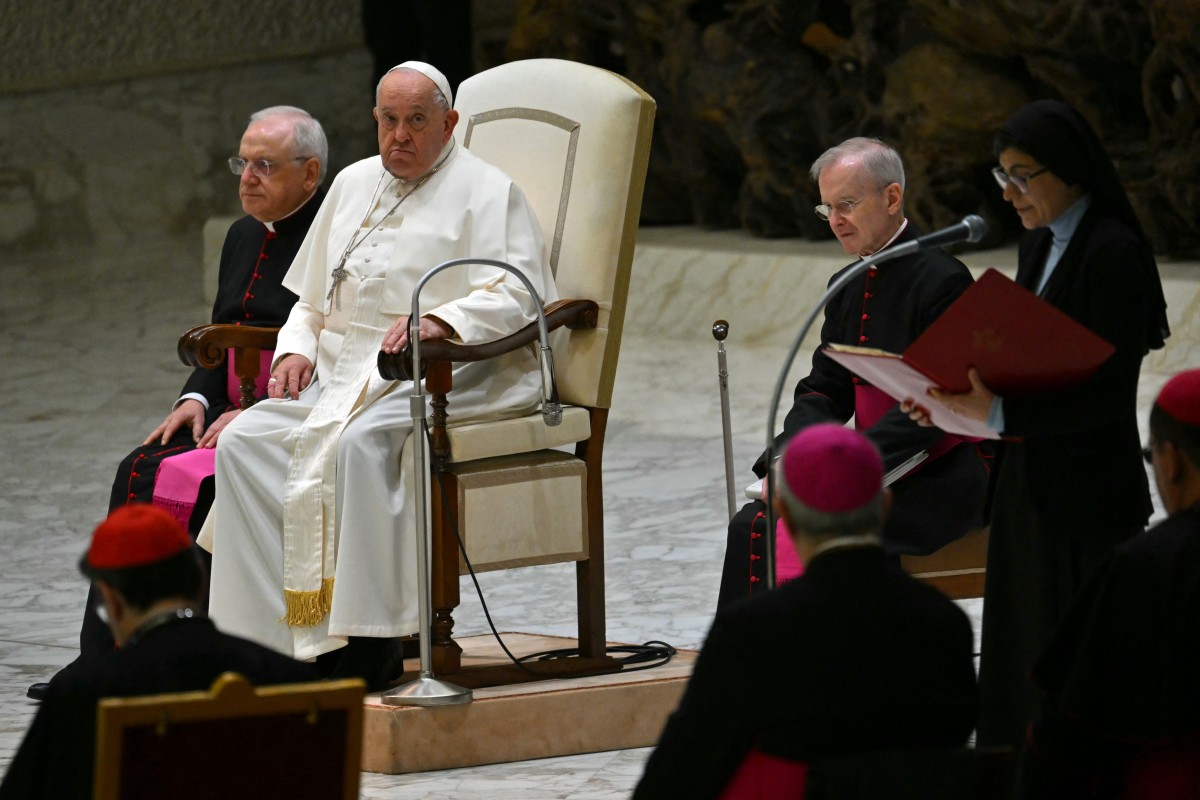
(1020,344)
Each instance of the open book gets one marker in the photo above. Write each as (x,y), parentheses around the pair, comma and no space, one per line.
(1020,344)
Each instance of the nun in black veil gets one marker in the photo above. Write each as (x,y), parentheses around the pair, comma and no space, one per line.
(1070,484)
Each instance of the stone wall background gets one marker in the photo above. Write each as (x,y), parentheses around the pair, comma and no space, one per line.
(116,118)
(750,91)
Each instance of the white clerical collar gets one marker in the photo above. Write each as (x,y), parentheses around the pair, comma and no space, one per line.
(271,225)
(839,542)
(888,243)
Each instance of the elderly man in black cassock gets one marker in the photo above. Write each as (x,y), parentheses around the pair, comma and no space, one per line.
(281,164)
(861,182)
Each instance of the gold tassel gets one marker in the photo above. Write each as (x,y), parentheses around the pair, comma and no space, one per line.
(306,609)
(326,594)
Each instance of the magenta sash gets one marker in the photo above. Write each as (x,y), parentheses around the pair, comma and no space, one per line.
(788,565)
(177,481)
(765,777)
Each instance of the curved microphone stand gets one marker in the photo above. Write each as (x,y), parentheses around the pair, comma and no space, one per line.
(970,229)
(426,690)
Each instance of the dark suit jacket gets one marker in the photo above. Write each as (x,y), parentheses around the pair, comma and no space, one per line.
(249,288)
(854,655)
(55,760)
(1081,449)
(943,499)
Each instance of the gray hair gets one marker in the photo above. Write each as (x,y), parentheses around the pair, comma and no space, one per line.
(310,136)
(881,161)
(803,520)
(439,99)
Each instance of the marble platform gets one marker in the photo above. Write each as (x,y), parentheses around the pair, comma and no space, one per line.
(523,721)
(89,368)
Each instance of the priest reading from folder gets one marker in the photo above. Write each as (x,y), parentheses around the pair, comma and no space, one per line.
(861,182)
(312,530)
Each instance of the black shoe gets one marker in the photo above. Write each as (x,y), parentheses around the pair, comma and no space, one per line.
(37,691)
(374,660)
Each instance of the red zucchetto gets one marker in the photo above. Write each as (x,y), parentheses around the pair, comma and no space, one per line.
(136,535)
(1180,397)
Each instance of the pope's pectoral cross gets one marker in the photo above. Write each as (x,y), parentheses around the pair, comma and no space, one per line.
(339,274)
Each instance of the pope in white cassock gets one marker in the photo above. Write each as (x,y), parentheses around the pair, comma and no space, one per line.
(313,529)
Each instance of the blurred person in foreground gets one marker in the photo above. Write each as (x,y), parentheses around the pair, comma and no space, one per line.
(852,656)
(1121,716)
(146,571)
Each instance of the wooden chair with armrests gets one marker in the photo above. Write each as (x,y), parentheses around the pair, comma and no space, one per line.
(576,139)
(233,741)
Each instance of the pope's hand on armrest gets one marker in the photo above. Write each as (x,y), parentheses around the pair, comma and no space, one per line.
(289,377)
(430,327)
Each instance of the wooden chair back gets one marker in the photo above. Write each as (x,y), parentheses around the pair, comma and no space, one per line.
(232,742)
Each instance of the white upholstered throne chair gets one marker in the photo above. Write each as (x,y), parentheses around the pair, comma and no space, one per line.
(576,139)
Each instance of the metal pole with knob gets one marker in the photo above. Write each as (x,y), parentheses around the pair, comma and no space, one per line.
(720,330)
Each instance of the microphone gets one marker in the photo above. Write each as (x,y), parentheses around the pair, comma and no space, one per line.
(970,229)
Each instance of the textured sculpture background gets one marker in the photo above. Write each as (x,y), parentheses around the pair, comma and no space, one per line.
(751,91)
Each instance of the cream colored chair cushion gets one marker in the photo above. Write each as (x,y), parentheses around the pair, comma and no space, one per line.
(474,440)
(519,511)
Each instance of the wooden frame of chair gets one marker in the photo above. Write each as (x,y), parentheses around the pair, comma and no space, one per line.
(186,745)
(438,356)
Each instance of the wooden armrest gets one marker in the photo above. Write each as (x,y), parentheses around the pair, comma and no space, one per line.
(574,314)
(205,345)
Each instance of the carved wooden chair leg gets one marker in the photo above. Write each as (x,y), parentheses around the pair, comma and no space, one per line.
(589,574)
(446,653)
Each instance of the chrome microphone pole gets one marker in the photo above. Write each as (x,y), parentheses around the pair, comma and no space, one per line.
(720,330)
(427,690)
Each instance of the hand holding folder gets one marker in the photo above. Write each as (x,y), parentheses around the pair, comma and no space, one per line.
(1019,343)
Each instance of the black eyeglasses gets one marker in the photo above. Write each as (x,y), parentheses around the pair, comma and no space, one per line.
(1021,182)
(261,167)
